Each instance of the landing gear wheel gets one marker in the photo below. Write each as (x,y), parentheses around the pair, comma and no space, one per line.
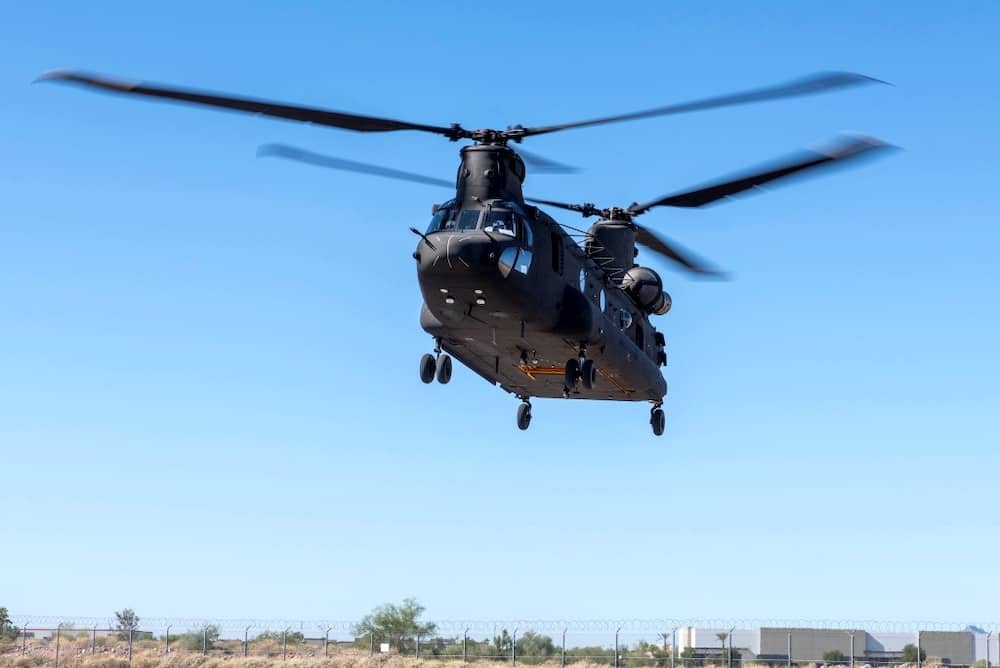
(588,374)
(524,416)
(444,369)
(572,373)
(658,421)
(428,365)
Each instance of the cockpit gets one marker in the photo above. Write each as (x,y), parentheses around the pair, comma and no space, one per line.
(498,217)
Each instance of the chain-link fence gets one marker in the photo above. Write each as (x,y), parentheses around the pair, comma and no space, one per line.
(627,644)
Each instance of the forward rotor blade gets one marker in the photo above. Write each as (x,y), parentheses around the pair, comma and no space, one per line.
(544,165)
(581,208)
(816,83)
(299,155)
(335,119)
(672,251)
(844,149)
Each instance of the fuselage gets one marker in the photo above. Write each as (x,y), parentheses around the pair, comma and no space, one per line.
(512,296)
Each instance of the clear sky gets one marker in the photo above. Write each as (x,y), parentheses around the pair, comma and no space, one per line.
(209,399)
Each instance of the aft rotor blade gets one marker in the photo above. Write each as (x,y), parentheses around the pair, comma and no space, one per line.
(336,119)
(672,251)
(816,83)
(544,165)
(845,149)
(299,155)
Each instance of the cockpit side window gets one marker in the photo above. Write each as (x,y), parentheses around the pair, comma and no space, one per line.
(443,218)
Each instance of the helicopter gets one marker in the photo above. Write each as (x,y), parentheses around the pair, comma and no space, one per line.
(509,291)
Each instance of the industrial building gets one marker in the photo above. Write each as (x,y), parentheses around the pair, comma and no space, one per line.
(778,645)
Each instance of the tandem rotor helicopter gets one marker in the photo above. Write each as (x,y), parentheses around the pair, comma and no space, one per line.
(507,290)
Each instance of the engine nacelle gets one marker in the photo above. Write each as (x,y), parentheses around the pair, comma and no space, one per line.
(645,288)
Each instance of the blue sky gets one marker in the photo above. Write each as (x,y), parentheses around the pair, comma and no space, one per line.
(209,401)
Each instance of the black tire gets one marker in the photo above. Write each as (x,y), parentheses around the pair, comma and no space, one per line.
(658,421)
(428,365)
(588,374)
(444,369)
(572,372)
(523,416)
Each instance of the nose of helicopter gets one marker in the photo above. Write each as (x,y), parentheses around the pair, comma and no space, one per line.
(454,256)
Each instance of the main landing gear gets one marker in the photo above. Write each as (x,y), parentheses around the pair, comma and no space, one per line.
(524,414)
(657,419)
(579,370)
(435,365)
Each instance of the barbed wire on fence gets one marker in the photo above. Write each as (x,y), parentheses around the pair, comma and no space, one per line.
(458,628)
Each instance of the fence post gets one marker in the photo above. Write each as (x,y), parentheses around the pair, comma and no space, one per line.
(166,641)
(513,649)
(465,647)
(851,633)
(673,645)
(789,649)
(418,646)
(371,647)
(24,639)
(918,649)
(326,642)
(93,642)
(130,647)
(616,645)
(284,644)
(58,633)
(204,640)
(246,640)
(562,656)
(729,656)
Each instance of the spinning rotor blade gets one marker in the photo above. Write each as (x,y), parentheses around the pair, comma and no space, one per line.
(544,165)
(816,83)
(334,119)
(844,149)
(299,155)
(672,251)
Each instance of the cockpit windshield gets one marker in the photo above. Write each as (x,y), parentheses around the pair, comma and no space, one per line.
(501,222)
(506,218)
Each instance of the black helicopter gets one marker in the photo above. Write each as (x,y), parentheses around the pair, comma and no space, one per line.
(506,289)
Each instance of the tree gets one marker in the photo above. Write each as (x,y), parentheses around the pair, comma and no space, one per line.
(834,656)
(395,623)
(127,622)
(290,638)
(722,638)
(205,637)
(910,653)
(534,647)
(7,629)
